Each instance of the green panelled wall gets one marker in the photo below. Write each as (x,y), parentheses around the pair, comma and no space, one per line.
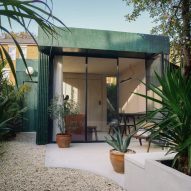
(20,70)
(42,112)
(30,98)
(30,117)
(105,40)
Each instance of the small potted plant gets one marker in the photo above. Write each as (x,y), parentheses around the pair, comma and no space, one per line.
(120,147)
(58,110)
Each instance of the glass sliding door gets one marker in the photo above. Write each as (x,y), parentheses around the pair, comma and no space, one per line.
(131,73)
(98,101)
(131,106)
(74,91)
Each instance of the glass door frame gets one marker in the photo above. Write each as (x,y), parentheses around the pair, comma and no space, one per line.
(163,57)
(86,93)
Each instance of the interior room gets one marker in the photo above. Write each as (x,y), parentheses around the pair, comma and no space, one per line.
(102,88)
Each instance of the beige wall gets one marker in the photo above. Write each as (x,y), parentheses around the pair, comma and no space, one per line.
(32,53)
(74,86)
(129,102)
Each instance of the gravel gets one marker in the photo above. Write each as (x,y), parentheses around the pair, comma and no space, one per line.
(22,168)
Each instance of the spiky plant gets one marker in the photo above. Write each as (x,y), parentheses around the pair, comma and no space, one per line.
(118,142)
(173,118)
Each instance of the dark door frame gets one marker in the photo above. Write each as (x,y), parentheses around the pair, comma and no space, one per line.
(86,87)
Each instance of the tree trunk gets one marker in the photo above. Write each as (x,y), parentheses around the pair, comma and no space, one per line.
(186,36)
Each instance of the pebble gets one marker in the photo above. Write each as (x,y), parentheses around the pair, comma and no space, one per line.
(22,169)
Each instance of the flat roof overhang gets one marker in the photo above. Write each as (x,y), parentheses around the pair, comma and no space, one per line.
(92,53)
(101,43)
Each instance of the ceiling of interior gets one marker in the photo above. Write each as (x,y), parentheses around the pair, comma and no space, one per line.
(106,66)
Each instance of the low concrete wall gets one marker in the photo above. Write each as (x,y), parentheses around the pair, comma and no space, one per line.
(29,137)
(143,172)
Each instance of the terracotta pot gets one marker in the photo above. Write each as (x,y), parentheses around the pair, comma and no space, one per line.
(63,140)
(117,160)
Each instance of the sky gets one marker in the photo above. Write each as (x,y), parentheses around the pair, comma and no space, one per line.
(97,14)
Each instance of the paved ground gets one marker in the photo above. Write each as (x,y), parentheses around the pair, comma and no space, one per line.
(22,169)
(93,157)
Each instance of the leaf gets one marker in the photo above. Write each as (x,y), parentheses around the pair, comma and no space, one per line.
(19,48)
(10,62)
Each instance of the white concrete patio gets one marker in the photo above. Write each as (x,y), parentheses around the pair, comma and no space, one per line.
(93,157)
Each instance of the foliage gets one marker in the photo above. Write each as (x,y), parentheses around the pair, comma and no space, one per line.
(21,35)
(172,120)
(117,141)
(16,97)
(11,108)
(9,111)
(58,109)
(172,18)
(24,13)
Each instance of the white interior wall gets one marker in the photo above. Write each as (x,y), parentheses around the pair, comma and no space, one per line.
(128,102)
(74,86)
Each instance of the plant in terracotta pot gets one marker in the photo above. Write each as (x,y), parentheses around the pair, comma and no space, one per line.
(58,110)
(120,147)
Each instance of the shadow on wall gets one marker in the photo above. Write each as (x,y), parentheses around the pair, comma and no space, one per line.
(128,101)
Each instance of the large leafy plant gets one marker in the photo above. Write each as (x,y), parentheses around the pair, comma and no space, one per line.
(173,117)
(9,111)
(117,141)
(11,104)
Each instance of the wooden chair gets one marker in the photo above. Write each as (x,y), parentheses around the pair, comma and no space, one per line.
(130,123)
(75,123)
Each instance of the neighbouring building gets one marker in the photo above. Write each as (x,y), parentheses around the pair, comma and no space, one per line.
(28,46)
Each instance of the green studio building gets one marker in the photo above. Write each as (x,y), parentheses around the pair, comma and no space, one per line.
(85,64)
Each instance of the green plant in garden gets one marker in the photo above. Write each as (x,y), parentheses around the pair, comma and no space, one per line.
(173,117)
(23,13)
(117,141)
(16,97)
(11,104)
(172,18)
(8,112)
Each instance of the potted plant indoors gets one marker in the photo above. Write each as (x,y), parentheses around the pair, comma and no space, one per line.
(58,110)
(120,147)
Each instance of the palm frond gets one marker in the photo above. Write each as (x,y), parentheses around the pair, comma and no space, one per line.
(172,119)
(23,12)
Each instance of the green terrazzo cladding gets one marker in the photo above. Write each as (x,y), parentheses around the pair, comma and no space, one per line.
(106,40)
